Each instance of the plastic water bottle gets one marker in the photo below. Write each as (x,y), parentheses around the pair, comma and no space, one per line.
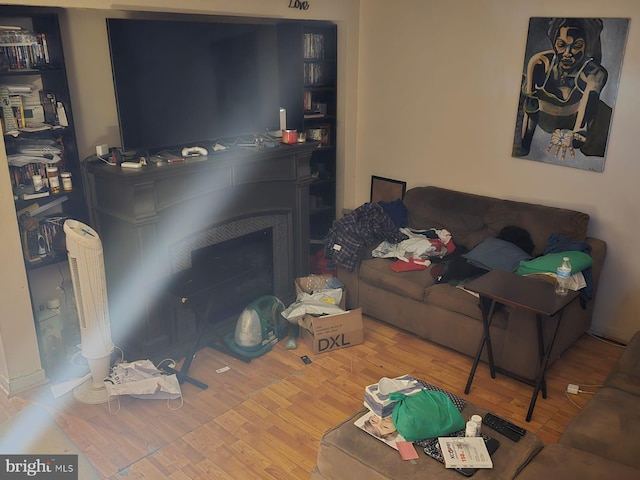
(563,272)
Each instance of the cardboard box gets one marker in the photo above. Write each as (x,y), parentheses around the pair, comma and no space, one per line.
(331,332)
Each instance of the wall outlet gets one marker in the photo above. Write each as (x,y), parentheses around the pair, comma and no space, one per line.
(102,150)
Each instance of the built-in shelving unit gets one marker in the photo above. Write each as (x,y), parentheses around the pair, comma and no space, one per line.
(38,131)
(308,65)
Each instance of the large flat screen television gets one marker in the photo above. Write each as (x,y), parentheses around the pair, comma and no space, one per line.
(186,83)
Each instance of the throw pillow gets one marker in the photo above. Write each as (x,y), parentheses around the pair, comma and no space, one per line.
(550,261)
(495,254)
(397,211)
(518,236)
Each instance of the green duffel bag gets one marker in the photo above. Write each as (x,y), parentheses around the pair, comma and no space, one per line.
(426,414)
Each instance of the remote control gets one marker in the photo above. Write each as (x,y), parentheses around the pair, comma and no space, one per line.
(505,427)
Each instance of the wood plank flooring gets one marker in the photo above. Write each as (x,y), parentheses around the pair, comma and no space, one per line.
(264,420)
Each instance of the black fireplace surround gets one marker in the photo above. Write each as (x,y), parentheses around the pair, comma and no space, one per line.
(242,213)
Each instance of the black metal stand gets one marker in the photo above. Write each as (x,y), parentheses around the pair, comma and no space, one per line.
(194,287)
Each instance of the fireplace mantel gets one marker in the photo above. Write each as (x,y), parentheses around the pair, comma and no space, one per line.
(141,215)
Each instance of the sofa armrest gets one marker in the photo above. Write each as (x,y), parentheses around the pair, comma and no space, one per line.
(351,285)
(351,279)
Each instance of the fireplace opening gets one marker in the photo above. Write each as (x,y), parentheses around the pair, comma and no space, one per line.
(242,267)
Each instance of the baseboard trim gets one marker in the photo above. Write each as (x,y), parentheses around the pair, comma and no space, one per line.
(610,334)
(18,385)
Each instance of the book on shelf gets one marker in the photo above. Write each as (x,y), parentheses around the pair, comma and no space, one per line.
(28,209)
(313,45)
(314,73)
(35,195)
(48,206)
(22,175)
(35,127)
(23,49)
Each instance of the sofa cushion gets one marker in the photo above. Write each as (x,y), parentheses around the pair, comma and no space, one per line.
(539,220)
(377,272)
(609,426)
(455,299)
(625,374)
(493,253)
(460,213)
(567,463)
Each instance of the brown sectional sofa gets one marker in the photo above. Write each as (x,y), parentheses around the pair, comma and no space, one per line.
(601,442)
(450,316)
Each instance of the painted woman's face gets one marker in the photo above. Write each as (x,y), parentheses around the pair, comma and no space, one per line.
(384,425)
(570,47)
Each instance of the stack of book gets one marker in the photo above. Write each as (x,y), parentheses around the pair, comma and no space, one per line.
(22,49)
(313,45)
(313,73)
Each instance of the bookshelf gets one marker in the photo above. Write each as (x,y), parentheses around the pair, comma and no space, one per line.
(308,73)
(37,126)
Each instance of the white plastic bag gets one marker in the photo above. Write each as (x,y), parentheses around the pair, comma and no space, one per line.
(321,302)
(141,379)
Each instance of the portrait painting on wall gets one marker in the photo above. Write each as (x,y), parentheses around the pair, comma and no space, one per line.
(569,87)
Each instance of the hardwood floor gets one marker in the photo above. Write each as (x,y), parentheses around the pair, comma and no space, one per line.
(265,419)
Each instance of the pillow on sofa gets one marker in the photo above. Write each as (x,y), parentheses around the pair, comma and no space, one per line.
(397,211)
(493,253)
(540,221)
(550,261)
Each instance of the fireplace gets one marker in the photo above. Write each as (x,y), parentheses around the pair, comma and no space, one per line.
(248,257)
(253,207)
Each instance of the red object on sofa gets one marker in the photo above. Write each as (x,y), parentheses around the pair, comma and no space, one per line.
(411,265)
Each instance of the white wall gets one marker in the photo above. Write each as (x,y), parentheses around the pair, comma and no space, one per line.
(437,98)
(19,358)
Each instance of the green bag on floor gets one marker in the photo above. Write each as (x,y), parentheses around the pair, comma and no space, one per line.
(426,414)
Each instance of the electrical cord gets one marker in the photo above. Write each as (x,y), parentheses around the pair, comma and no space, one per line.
(121,353)
(105,160)
(170,362)
(571,400)
(575,389)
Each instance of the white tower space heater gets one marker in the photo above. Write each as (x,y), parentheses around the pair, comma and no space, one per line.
(86,262)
